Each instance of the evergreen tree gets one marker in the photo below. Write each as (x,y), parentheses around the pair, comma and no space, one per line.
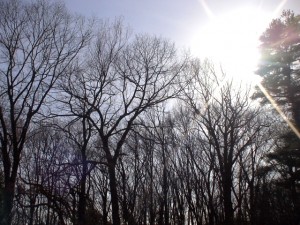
(280,71)
(280,66)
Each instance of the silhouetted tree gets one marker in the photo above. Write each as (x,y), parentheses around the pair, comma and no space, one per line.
(229,127)
(279,64)
(280,71)
(122,79)
(285,160)
(38,42)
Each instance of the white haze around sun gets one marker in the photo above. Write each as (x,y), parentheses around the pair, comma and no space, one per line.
(231,40)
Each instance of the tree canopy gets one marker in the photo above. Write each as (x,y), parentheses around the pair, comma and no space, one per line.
(99,126)
(280,71)
(279,65)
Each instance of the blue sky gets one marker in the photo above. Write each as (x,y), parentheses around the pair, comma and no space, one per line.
(169,18)
(235,25)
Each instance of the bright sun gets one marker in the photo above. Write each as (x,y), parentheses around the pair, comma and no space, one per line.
(231,40)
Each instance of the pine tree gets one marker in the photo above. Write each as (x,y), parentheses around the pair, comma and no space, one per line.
(280,64)
(280,71)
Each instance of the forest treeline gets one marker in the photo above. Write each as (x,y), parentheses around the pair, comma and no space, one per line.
(100,126)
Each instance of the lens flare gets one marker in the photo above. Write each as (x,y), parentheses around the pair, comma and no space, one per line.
(277,108)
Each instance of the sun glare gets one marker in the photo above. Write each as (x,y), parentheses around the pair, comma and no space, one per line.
(231,40)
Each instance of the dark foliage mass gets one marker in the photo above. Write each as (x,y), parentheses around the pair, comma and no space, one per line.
(100,127)
(280,70)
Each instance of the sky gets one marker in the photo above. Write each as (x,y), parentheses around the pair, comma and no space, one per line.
(219,29)
(172,19)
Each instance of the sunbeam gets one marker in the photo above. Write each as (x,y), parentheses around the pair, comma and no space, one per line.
(277,108)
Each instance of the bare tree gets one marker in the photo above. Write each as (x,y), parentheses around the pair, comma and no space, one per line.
(80,135)
(194,167)
(47,178)
(159,131)
(228,124)
(38,42)
(123,77)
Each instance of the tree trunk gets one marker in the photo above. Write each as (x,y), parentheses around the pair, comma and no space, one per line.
(32,210)
(105,213)
(7,204)
(227,183)
(114,194)
(82,195)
